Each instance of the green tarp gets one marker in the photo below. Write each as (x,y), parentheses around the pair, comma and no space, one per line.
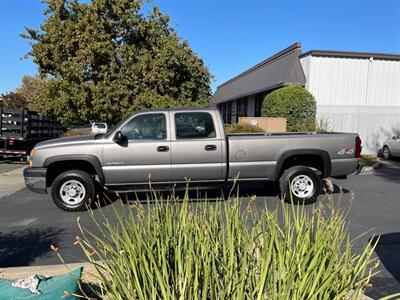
(51,288)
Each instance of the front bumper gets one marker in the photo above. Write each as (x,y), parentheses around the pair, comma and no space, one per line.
(35,179)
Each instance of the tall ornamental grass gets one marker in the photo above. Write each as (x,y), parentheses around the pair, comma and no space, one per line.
(230,249)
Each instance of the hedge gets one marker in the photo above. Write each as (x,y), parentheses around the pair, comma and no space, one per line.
(295,104)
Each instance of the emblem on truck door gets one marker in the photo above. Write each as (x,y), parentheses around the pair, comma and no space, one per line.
(346,150)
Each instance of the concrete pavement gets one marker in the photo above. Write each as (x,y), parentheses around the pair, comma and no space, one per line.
(11,178)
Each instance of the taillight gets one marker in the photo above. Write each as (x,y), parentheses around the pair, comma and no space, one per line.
(358,147)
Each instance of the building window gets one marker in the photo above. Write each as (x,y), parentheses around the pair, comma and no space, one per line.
(241,108)
(225,115)
(228,109)
(258,104)
(222,109)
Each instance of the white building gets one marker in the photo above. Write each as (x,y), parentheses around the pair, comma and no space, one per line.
(355,92)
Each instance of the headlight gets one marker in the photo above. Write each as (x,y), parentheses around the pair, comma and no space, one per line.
(31,156)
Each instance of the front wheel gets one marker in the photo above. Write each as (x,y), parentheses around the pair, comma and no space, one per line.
(300,184)
(386,153)
(73,190)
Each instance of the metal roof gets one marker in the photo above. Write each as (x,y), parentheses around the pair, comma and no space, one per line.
(351,54)
(278,70)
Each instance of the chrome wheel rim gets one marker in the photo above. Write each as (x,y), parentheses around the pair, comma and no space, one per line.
(302,186)
(72,193)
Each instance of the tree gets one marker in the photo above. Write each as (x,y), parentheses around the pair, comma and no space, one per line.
(294,103)
(33,89)
(13,100)
(106,58)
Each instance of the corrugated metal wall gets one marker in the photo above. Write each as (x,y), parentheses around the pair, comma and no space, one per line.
(356,95)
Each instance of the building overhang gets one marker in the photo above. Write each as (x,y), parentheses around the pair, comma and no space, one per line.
(279,70)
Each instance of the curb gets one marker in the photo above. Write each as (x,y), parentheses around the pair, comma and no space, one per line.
(53,270)
(49,270)
(375,166)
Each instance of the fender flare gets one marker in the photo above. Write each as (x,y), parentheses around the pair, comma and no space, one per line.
(93,160)
(289,153)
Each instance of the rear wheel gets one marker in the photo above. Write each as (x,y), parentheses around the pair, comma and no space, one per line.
(73,190)
(300,184)
(386,153)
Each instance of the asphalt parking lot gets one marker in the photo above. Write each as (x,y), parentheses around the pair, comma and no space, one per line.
(30,223)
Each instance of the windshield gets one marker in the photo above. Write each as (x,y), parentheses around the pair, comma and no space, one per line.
(100,125)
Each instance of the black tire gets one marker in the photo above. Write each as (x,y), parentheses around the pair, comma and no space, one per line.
(386,153)
(74,180)
(302,175)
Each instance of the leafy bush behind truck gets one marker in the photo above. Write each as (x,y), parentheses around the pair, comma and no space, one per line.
(168,147)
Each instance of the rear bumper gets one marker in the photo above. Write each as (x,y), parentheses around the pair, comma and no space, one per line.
(35,179)
(344,166)
(12,152)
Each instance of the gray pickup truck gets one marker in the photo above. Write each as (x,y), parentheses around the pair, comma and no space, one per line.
(172,146)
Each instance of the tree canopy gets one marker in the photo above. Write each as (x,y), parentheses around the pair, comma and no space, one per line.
(13,100)
(33,88)
(107,58)
(294,103)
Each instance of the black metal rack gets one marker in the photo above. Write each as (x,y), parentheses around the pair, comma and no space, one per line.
(21,129)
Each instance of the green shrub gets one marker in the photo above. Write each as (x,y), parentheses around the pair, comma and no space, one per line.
(295,104)
(225,250)
(322,125)
(242,128)
(77,132)
(367,160)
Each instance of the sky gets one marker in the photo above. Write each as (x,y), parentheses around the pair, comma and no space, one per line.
(231,36)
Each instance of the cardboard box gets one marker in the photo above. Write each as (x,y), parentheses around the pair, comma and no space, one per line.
(266,123)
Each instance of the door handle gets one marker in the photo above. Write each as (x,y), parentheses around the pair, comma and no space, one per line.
(162,148)
(210,147)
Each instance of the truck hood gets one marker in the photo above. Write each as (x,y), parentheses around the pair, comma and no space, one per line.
(84,139)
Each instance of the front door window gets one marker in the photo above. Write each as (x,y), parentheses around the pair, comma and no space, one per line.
(146,127)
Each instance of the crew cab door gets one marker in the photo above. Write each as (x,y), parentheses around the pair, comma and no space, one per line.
(197,147)
(144,154)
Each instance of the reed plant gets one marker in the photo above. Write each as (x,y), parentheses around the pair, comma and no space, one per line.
(229,249)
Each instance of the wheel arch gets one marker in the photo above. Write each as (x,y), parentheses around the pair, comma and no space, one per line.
(57,164)
(317,158)
(387,146)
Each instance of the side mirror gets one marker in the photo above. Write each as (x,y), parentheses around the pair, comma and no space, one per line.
(118,137)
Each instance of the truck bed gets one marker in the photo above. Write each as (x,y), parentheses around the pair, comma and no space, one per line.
(256,155)
(21,129)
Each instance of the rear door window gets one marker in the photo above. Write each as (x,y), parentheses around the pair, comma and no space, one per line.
(194,125)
